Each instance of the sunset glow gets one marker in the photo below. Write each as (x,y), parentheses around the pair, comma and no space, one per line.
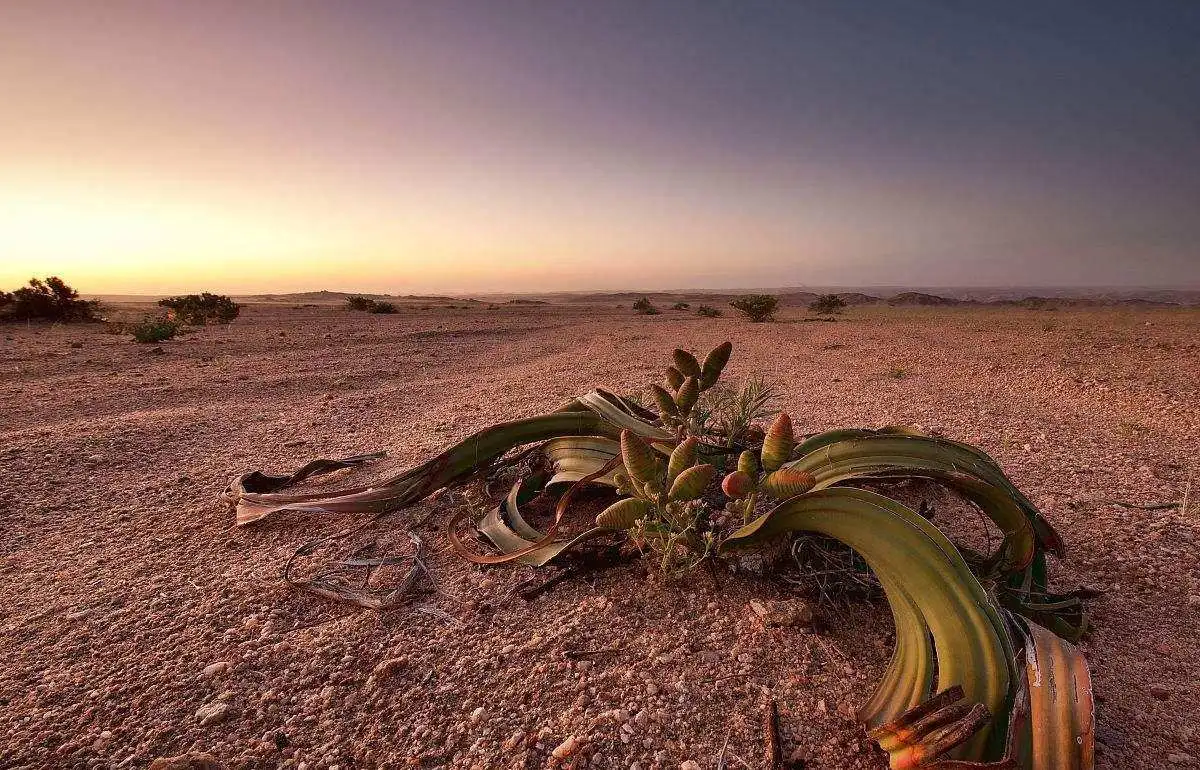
(244,147)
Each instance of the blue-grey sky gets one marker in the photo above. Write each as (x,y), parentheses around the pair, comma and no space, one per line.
(473,146)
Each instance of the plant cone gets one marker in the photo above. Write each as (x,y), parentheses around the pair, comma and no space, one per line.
(692,482)
(666,404)
(737,485)
(623,514)
(688,394)
(714,364)
(686,363)
(638,457)
(787,482)
(748,464)
(779,442)
(682,458)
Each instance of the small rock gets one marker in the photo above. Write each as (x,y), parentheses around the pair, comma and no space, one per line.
(388,669)
(651,689)
(753,564)
(477,715)
(515,740)
(567,748)
(1160,692)
(689,765)
(191,761)
(213,713)
(793,612)
(215,669)
(1179,758)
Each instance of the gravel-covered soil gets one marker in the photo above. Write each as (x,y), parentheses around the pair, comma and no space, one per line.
(137,624)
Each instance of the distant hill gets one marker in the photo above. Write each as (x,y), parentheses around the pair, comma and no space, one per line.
(325,297)
(1029,297)
(919,298)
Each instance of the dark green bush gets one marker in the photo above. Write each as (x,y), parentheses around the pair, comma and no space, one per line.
(201,309)
(644,307)
(708,312)
(154,330)
(49,300)
(386,308)
(827,304)
(359,302)
(680,306)
(756,307)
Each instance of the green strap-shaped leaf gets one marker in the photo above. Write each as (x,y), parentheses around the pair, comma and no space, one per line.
(921,570)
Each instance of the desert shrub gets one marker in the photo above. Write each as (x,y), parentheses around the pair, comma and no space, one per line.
(827,304)
(359,302)
(386,308)
(201,309)
(49,300)
(644,307)
(756,307)
(680,306)
(154,330)
(708,312)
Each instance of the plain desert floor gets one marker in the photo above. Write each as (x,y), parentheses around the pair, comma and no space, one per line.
(123,581)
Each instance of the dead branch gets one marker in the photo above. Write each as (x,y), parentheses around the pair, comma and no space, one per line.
(774,753)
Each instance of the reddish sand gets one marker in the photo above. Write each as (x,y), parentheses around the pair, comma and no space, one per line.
(123,580)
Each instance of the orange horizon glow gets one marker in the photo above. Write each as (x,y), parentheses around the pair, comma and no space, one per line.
(249,147)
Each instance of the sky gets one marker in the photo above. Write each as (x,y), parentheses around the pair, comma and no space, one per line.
(245,146)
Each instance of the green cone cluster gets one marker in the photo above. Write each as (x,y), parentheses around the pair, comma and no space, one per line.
(655,491)
(686,379)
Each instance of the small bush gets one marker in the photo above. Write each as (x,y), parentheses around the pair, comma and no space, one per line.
(708,312)
(644,307)
(827,304)
(201,309)
(756,307)
(385,308)
(680,306)
(49,300)
(359,302)
(154,330)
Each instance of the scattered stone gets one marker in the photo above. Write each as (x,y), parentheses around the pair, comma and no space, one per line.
(752,563)
(689,765)
(477,715)
(388,669)
(1179,758)
(1160,692)
(213,713)
(516,740)
(567,748)
(190,761)
(792,612)
(215,669)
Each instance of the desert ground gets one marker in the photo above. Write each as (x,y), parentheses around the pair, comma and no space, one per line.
(138,623)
